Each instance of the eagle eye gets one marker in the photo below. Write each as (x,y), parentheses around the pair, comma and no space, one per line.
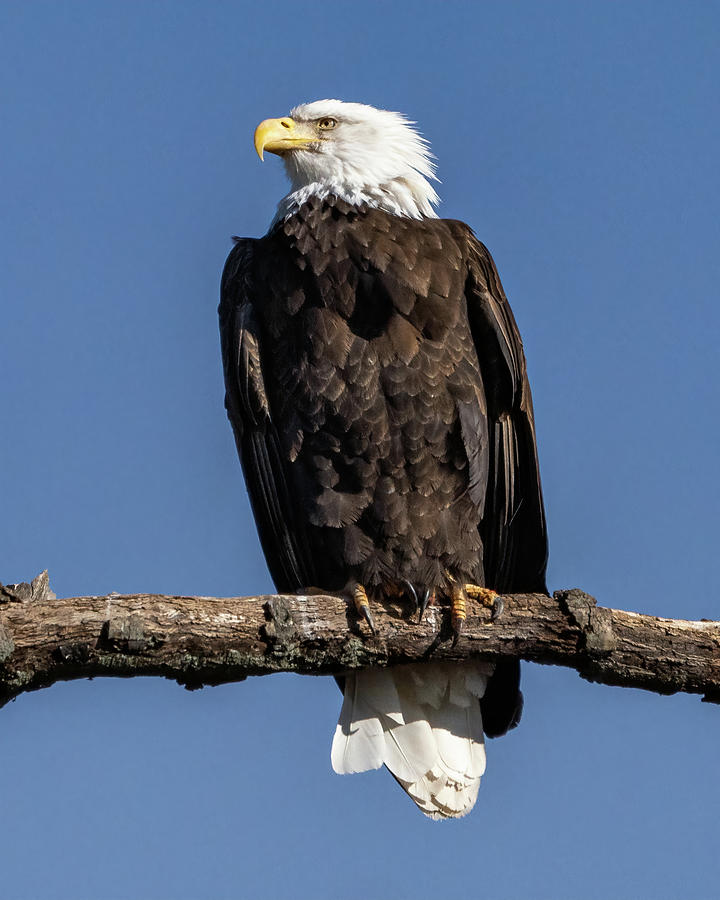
(326,123)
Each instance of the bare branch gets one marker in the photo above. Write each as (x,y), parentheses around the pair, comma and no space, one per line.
(211,640)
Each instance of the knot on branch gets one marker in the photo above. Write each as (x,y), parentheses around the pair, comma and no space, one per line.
(597,638)
(279,630)
(126,634)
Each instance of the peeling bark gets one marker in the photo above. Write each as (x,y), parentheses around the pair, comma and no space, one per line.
(211,640)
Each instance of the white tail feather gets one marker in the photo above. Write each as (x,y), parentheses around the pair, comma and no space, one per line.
(424,723)
(359,743)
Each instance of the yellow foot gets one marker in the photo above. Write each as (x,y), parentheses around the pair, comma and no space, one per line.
(361,603)
(489,598)
(458,608)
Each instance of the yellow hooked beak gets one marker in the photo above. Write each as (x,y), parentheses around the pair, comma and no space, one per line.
(281,135)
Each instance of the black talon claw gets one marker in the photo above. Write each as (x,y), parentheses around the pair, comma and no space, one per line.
(423,605)
(367,615)
(498,608)
(457,630)
(412,593)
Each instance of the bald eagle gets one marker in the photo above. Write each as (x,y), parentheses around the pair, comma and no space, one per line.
(377,390)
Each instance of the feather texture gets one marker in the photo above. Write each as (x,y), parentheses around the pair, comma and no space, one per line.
(377,389)
(424,723)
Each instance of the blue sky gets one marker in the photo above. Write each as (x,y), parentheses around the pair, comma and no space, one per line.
(581,141)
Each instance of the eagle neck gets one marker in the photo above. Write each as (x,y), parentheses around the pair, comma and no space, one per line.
(312,217)
(399,198)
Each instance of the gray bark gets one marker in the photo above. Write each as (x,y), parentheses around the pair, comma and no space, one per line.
(211,640)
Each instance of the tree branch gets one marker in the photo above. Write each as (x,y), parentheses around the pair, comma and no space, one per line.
(211,640)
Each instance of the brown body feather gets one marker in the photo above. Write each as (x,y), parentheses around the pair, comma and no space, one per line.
(377,389)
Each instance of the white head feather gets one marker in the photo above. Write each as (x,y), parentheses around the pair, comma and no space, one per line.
(372,156)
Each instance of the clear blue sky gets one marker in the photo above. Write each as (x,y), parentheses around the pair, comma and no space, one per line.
(581,140)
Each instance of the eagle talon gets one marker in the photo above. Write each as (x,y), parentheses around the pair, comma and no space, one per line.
(411,593)
(362,604)
(489,598)
(457,627)
(458,609)
(368,616)
(427,600)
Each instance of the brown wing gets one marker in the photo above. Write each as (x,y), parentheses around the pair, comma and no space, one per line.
(513,528)
(281,535)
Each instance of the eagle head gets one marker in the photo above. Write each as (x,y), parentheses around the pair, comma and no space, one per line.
(364,155)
